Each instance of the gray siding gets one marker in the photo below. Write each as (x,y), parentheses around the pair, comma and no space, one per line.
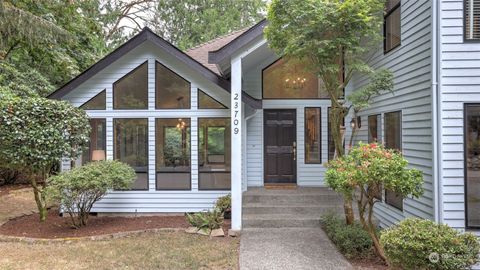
(411,65)
(460,84)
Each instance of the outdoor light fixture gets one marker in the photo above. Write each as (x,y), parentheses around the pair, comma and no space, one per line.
(359,121)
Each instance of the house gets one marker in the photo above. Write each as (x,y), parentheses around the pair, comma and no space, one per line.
(229,115)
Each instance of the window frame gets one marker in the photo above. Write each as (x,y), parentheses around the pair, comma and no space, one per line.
(155,88)
(385,16)
(104,135)
(465,181)
(305,135)
(116,81)
(378,116)
(156,145)
(198,156)
(464,21)
(148,155)
(401,147)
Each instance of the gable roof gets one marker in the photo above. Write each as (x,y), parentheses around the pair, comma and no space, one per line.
(200,52)
(217,56)
(140,38)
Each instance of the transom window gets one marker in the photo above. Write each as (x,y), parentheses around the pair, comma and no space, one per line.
(290,80)
(173,153)
(171,90)
(393,140)
(471,20)
(131,91)
(392,25)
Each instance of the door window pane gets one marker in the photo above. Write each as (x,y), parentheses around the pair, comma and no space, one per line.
(393,140)
(472,163)
(374,128)
(171,90)
(173,153)
(96,148)
(131,91)
(131,147)
(207,102)
(214,153)
(392,25)
(98,102)
(331,144)
(290,80)
(313,136)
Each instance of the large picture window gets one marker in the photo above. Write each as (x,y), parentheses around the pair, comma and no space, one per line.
(97,145)
(374,128)
(131,91)
(171,90)
(173,154)
(392,25)
(471,20)
(393,140)
(214,153)
(331,144)
(290,80)
(131,147)
(472,164)
(313,136)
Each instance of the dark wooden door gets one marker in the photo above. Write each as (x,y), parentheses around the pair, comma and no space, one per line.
(280,146)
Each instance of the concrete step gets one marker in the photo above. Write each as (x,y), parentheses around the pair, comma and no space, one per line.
(281,221)
(287,199)
(318,210)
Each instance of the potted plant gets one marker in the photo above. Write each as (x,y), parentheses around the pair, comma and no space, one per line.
(224,204)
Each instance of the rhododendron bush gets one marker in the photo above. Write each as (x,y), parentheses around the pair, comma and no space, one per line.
(364,171)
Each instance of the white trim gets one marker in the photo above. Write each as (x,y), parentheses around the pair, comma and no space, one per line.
(236,137)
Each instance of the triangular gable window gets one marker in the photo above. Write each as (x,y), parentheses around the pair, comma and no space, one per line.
(131,91)
(98,102)
(207,102)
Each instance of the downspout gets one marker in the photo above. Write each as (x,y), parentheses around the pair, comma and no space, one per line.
(436,121)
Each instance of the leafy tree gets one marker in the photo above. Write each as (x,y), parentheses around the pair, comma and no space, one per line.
(190,22)
(332,38)
(364,171)
(81,187)
(36,134)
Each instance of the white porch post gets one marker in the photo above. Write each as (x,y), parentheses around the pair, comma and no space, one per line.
(236,136)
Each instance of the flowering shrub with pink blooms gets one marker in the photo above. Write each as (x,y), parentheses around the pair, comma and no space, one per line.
(364,171)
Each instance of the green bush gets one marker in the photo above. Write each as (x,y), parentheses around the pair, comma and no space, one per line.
(77,190)
(206,220)
(224,203)
(351,240)
(422,244)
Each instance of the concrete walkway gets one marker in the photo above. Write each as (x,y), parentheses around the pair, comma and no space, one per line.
(289,248)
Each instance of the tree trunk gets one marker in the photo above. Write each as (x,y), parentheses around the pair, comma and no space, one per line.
(39,199)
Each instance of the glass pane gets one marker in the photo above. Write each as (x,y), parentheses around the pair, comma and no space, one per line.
(472,155)
(393,130)
(472,20)
(207,102)
(313,138)
(214,153)
(96,149)
(374,125)
(131,147)
(171,90)
(393,199)
(131,91)
(290,80)
(98,102)
(331,145)
(173,153)
(392,30)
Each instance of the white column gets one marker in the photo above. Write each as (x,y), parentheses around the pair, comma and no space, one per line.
(236,130)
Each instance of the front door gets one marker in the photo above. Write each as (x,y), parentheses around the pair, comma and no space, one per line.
(280,146)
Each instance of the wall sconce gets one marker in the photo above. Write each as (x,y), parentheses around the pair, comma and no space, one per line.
(359,121)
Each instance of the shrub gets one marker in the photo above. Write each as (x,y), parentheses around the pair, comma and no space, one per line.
(8,176)
(364,171)
(206,220)
(78,189)
(422,244)
(351,240)
(224,203)
(36,134)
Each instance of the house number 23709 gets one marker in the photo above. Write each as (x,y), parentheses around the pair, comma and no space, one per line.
(236,121)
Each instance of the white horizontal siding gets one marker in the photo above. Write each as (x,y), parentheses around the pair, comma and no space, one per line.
(411,66)
(152,200)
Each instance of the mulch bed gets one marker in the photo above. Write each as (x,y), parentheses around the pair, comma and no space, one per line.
(59,227)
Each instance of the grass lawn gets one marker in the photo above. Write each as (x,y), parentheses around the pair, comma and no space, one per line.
(165,250)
